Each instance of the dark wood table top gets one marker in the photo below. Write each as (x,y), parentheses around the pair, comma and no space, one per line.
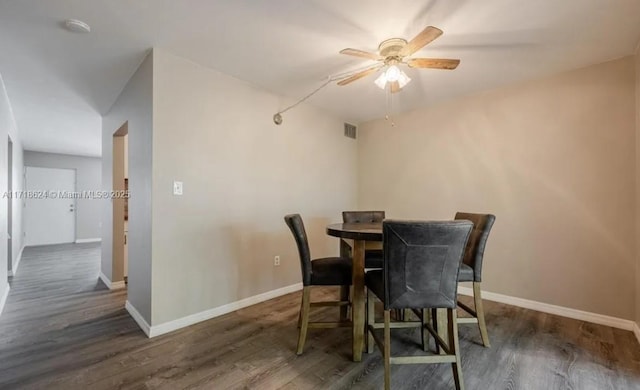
(356,231)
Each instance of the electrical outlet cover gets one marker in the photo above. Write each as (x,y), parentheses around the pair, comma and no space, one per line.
(177,188)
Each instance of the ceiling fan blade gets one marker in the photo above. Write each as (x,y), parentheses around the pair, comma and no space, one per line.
(421,40)
(395,87)
(361,54)
(359,75)
(433,63)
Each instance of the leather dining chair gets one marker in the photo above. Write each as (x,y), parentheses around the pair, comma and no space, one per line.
(328,271)
(471,268)
(372,257)
(421,264)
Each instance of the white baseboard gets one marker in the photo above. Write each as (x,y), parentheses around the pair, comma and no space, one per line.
(636,331)
(14,268)
(111,285)
(3,299)
(85,240)
(586,316)
(138,318)
(157,330)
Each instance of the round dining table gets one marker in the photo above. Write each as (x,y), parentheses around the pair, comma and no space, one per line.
(364,236)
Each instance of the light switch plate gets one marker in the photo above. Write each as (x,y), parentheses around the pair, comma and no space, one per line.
(177,188)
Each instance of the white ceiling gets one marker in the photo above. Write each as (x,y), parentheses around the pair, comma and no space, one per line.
(59,82)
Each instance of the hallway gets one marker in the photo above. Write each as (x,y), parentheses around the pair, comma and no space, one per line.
(57,313)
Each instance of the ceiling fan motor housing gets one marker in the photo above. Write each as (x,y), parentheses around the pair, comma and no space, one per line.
(391,47)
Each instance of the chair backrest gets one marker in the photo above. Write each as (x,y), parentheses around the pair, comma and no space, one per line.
(421,262)
(474,253)
(294,221)
(362,216)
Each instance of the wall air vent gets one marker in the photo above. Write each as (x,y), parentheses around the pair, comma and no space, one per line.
(350,130)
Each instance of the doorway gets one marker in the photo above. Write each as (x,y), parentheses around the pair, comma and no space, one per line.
(50,206)
(120,204)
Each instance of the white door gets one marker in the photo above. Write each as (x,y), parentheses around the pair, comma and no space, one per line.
(50,216)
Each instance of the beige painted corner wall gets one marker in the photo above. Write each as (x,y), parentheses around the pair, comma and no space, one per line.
(134,107)
(637,63)
(553,159)
(9,129)
(215,244)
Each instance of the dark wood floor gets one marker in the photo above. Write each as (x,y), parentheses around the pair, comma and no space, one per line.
(62,329)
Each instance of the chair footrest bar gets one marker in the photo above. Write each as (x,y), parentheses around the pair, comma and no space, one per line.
(397,325)
(465,320)
(422,359)
(329,325)
(330,303)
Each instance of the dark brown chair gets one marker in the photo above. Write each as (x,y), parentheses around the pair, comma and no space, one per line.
(471,268)
(421,264)
(328,271)
(372,257)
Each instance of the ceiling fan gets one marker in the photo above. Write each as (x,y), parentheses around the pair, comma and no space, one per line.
(393,52)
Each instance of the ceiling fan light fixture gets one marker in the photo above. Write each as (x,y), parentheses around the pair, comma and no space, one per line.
(396,75)
(381,81)
(403,79)
(392,73)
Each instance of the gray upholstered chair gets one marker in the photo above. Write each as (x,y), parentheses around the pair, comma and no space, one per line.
(328,271)
(421,264)
(471,268)
(372,257)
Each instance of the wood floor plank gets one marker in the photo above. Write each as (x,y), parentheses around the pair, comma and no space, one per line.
(63,329)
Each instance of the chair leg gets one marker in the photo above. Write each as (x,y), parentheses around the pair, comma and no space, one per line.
(300,312)
(477,299)
(344,296)
(425,318)
(443,326)
(387,350)
(434,324)
(371,319)
(454,347)
(304,317)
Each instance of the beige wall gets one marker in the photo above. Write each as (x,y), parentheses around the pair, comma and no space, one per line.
(134,106)
(553,159)
(215,244)
(637,63)
(8,128)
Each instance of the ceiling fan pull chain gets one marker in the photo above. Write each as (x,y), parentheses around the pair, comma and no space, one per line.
(389,101)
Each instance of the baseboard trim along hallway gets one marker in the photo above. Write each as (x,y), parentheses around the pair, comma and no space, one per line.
(138,318)
(86,240)
(111,285)
(3,299)
(157,330)
(15,266)
(586,316)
